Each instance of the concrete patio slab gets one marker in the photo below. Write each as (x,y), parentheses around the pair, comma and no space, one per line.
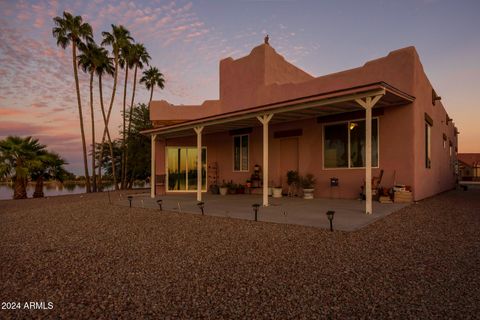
(349,214)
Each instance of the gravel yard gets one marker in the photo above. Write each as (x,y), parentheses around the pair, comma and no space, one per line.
(95,260)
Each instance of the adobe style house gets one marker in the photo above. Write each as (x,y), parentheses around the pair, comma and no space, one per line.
(350,125)
(469,166)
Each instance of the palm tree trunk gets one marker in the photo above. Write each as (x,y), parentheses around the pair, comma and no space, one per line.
(19,188)
(105,131)
(94,177)
(77,86)
(39,188)
(122,183)
(151,96)
(105,120)
(130,117)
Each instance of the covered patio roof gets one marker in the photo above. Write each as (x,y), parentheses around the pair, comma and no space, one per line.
(329,103)
(364,97)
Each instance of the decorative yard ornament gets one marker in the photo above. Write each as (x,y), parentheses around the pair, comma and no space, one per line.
(266,39)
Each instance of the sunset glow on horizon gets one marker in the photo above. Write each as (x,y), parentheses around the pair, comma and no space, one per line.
(187,39)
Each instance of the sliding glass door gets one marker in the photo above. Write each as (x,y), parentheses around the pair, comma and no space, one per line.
(182,168)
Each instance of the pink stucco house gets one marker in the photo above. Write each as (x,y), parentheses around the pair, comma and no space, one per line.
(272,114)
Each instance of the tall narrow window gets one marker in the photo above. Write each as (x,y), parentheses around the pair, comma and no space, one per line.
(428,147)
(336,146)
(240,153)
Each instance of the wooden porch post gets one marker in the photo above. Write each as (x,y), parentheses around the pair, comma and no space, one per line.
(265,119)
(368,105)
(153,181)
(198,131)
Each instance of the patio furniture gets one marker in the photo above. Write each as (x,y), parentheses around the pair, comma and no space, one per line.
(375,185)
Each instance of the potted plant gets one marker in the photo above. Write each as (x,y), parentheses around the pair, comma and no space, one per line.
(232,187)
(308,185)
(293,180)
(240,189)
(270,189)
(277,191)
(214,189)
(223,188)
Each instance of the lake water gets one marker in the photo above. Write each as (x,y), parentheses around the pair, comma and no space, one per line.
(56,189)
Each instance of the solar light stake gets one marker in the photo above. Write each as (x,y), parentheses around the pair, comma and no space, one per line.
(130,200)
(330,218)
(201,205)
(159,202)
(255,209)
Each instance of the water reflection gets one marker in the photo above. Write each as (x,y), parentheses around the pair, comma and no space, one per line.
(57,188)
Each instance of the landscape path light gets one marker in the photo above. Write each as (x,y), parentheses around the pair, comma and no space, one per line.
(330,218)
(130,200)
(201,205)
(255,209)
(159,202)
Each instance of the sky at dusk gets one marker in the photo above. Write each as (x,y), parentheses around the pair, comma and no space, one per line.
(186,40)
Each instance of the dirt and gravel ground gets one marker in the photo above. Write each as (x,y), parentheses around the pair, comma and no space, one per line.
(93,261)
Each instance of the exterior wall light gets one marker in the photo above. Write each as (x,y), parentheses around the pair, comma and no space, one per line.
(330,218)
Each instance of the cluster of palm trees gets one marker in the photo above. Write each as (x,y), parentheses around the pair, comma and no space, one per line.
(95,60)
(25,158)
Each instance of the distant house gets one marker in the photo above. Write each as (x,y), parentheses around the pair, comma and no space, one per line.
(275,116)
(469,166)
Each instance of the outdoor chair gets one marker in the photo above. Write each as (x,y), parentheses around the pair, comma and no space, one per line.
(375,186)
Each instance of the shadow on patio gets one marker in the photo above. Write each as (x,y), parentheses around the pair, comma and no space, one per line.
(349,214)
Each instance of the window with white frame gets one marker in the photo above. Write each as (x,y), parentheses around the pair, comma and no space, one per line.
(344,144)
(240,153)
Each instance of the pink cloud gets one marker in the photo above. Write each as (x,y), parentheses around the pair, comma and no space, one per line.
(9,112)
(20,128)
(40,104)
(23,16)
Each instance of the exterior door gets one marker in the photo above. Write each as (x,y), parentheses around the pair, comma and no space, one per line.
(288,158)
(182,168)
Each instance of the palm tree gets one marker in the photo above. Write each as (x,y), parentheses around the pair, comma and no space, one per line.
(104,66)
(87,60)
(118,39)
(71,30)
(139,56)
(151,78)
(126,61)
(47,166)
(17,157)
